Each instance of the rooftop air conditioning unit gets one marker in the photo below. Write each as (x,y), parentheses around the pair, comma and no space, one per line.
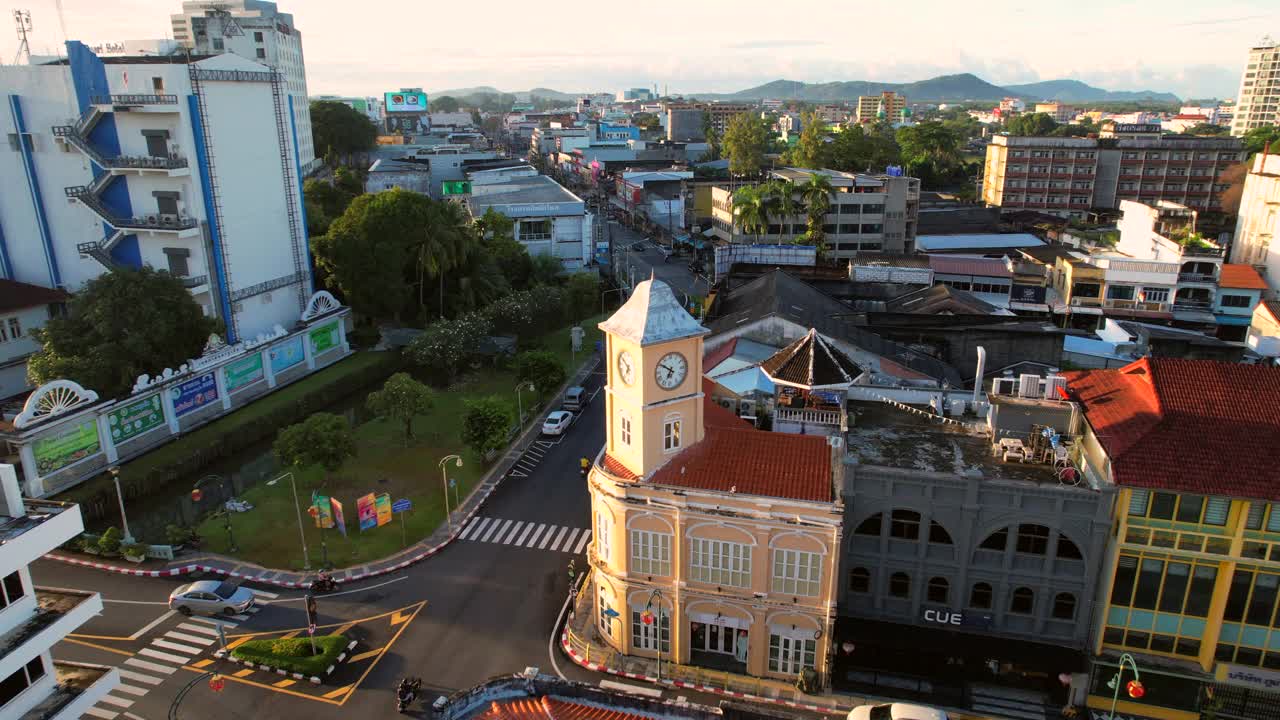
(1028,385)
(169,219)
(1004,386)
(1051,386)
(153,220)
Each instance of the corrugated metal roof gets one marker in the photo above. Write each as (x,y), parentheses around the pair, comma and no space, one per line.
(976,241)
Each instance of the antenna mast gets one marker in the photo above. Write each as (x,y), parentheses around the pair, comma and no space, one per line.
(22,19)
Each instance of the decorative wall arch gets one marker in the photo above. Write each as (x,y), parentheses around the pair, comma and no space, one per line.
(1010,526)
(641,596)
(632,518)
(814,623)
(690,533)
(52,399)
(821,549)
(321,303)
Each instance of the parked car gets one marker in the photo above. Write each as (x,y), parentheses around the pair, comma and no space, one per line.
(211,597)
(575,397)
(557,422)
(896,711)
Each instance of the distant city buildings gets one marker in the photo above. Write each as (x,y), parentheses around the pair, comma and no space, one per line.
(1258,102)
(1258,223)
(549,220)
(1058,111)
(888,106)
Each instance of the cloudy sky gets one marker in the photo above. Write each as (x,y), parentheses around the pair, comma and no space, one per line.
(1188,47)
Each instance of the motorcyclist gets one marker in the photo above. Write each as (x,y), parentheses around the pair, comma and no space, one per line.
(584,463)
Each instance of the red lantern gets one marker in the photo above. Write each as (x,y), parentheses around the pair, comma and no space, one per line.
(646,617)
(196,494)
(1135,688)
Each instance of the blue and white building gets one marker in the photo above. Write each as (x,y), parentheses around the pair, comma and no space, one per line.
(186,163)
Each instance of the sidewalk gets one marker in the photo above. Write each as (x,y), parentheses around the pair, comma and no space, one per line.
(425,548)
(580,641)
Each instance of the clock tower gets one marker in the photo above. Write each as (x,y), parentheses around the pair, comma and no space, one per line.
(653,395)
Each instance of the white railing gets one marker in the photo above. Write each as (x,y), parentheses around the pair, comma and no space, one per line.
(808,415)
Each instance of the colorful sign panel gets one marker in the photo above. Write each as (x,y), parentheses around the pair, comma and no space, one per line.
(383,505)
(323,513)
(324,337)
(405,102)
(130,421)
(194,394)
(286,354)
(367,511)
(455,187)
(246,371)
(338,520)
(402,505)
(70,446)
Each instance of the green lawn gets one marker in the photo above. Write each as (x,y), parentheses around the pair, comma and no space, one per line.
(293,654)
(268,534)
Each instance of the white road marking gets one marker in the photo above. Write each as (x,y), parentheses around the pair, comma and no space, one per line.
(99,713)
(131,716)
(559,536)
(634,689)
(471,525)
(145,628)
(265,594)
(546,538)
(512,534)
(137,602)
(533,539)
(118,702)
(492,529)
(198,639)
(524,534)
(501,530)
(129,689)
(241,617)
(179,647)
(153,667)
(139,677)
(198,628)
(215,621)
(167,657)
(582,544)
(568,542)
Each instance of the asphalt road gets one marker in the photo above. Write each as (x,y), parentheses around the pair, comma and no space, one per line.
(639,263)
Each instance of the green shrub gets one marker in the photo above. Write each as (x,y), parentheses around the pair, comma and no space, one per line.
(109,543)
(134,550)
(293,654)
(177,535)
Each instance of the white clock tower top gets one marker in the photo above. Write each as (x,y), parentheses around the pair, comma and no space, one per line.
(652,315)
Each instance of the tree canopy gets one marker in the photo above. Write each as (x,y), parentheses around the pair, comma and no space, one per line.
(542,368)
(444,103)
(930,151)
(400,399)
(1258,138)
(1034,124)
(339,128)
(122,324)
(322,439)
(485,424)
(811,149)
(744,143)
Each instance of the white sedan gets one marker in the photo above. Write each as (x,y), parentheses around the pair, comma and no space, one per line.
(896,711)
(557,422)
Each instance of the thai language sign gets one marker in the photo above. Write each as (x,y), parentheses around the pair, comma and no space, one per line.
(366,509)
(324,338)
(67,447)
(194,394)
(244,372)
(130,421)
(286,355)
(383,503)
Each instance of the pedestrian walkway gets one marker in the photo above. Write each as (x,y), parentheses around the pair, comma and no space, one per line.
(520,533)
(162,657)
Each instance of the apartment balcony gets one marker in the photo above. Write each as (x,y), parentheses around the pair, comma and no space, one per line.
(1192,305)
(78,687)
(182,225)
(43,526)
(174,165)
(45,622)
(136,103)
(1202,251)
(809,416)
(1135,305)
(1193,277)
(195,283)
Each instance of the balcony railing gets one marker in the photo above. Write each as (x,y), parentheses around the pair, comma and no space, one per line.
(147,162)
(157,221)
(134,100)
(1140,305)
(819,417)
(192,281)
(1193,305)
(1196,277)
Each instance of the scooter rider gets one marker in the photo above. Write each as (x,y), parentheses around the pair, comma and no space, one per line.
(585,463)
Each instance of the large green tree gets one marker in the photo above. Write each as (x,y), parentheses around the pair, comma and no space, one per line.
(340,129)
(1258,138)
(745,140)
(322,439)
(497,235)
(930,151)
(485,424)
(540,367)
(811,149)
(817,201)
(751,209)
(444,103)
(1034,124)
(582,292)
(122,324)
(401,399)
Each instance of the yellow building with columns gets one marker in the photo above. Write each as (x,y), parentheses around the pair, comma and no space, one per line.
(715,544)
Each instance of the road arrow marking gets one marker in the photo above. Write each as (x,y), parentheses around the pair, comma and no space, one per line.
(398,617)
(337,693)
(364,655)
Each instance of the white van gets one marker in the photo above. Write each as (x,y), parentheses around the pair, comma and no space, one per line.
(896,711)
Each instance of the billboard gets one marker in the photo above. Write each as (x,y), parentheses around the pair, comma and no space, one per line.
(244,372)
(132,420)
(324,338)
(72,445)
(455,187)
(405,102)
(405,125)
(286,355)
(367,511)
(194,394)
(383,505)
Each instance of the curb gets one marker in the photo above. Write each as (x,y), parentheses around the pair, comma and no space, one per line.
(264,580)
(567,649)
(313,679)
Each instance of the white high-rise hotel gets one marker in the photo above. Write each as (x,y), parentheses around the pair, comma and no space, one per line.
(256,30)
(1258,103)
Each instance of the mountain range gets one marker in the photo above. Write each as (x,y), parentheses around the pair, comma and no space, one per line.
(944,88)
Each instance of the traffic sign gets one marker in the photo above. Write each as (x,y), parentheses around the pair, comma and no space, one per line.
(453,482)
(311,629)
(401,505)
(216,683)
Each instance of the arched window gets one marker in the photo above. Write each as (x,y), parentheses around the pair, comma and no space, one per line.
(905,524)
(1068,549)
(1033,539)
(859,580)
(938,590)
(980,596)
(900,585)
(1023,601)
(996,540)
(938,534)
(870,526)
(1064,606)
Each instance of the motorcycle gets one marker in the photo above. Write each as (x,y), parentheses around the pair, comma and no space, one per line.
(324,583)
(407,692)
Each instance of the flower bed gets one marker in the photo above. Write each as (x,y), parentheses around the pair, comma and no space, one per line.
(292,654)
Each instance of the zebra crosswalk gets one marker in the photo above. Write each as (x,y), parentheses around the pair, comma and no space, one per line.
(162,657)
(525,533)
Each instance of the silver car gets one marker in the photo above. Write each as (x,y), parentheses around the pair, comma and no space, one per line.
(211,597)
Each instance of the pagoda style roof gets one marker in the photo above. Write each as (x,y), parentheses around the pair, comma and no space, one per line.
(811,362)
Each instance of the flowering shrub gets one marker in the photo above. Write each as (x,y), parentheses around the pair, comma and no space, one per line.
(445,346)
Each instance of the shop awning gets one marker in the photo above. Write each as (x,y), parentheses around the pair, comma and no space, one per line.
(1043,657)
(1234,319)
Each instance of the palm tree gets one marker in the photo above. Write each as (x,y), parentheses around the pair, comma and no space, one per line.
(751,209)
(782,195)
(446,234)
(475,281)
(817,200)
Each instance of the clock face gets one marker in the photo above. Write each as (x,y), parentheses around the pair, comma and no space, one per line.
(671,370)
(626,368)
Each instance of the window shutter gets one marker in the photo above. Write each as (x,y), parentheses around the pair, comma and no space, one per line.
(1256,511)
(1138,499)
(1215,511)
(1273,519)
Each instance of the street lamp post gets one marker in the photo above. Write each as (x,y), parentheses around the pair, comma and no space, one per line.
(306,560)
(444,480)
(648,618)
(196,494)
(526,385)
(124,520)
(1134,687)
(606,292)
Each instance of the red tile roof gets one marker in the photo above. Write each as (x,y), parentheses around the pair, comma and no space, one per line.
(753,462)
(16,295)
(1197,426)
(712,358)
(615,468)
(1241,277)
(546,708)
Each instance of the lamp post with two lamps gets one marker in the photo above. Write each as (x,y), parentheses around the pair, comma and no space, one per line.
(526,385)
(1134,687)
(648,618)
